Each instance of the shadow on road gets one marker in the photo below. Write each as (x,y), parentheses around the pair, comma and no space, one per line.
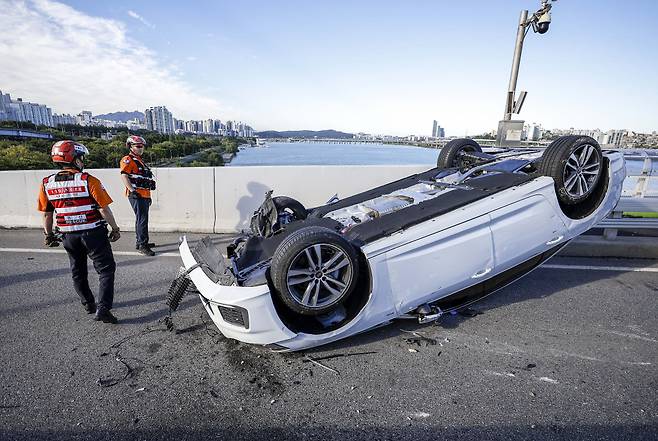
(522,290)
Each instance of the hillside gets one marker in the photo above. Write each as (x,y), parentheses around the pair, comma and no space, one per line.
(334,134)
(124,116)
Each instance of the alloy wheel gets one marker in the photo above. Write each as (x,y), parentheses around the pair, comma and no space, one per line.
(319,275)
(582,170)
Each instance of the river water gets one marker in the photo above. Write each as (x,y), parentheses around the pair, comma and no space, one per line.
(311,153)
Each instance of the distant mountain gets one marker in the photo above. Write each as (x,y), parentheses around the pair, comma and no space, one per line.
(124,116)
(334,134)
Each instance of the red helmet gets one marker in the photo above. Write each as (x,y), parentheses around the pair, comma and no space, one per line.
(66,151)
(135,140)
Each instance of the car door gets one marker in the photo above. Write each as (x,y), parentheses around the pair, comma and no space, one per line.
(524,229)
(440,263)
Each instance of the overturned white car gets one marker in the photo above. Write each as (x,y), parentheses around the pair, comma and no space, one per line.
(421,246)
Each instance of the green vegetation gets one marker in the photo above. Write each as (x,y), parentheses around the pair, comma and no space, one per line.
(640,214)
(161,150)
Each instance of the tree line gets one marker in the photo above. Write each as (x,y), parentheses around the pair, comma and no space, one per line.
(34,154)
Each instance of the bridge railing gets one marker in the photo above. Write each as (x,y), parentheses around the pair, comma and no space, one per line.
(639,194)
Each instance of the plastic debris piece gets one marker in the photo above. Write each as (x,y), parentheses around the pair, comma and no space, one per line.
(548,380)
(169,323)
(412,350)
(272,401)
(529,366)
(418,339)
(317,363)
(141,389)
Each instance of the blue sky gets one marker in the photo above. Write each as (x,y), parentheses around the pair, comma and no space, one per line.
(372,66)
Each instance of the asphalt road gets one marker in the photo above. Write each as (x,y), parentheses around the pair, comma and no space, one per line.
(565,353)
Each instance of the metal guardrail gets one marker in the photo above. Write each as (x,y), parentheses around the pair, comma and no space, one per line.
(639,194)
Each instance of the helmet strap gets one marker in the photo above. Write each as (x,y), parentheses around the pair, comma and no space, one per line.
(76,166)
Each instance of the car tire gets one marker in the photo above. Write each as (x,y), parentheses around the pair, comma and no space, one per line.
(449,155)
(314,270)
(284,203)
(575,163)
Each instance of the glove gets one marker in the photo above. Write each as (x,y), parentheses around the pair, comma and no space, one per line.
(51,240)
(114,235)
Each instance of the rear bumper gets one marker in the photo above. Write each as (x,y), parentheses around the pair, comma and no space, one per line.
(243,313)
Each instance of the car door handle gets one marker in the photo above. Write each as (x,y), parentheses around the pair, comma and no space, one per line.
(556,240)
(482,273)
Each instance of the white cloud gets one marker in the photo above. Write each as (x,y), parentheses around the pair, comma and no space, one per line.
(136,16)
(71,61)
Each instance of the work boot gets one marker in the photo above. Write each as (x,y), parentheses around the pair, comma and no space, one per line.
(150,245)
(90,307)
(145,250)
(105,316)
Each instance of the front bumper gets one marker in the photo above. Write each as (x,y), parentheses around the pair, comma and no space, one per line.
(242,313)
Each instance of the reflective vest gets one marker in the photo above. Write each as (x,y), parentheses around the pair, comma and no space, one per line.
(144,176)
(75,208)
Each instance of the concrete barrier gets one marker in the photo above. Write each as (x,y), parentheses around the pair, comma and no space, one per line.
(222,199)
(203,199)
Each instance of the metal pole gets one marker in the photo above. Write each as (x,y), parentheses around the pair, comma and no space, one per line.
(514,75)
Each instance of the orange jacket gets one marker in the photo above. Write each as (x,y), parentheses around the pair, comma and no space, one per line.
(138,173)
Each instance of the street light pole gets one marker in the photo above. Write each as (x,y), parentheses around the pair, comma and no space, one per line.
(516,62)
(510,131)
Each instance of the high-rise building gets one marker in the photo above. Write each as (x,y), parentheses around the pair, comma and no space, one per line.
(60,120)
(159,119)
(613,138)
(23,111)
(437,130)
(84,118)
(532,131)
(5,106)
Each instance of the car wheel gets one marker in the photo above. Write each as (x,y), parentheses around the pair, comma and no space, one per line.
(290,206)
(314,270)
(449,156)
(575,163)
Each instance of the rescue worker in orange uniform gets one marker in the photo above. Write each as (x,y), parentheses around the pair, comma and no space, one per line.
(138,180)
(79,205)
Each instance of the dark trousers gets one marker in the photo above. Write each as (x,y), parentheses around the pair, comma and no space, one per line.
(141,209)
(95,244)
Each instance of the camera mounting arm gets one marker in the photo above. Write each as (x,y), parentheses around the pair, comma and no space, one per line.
(541,19)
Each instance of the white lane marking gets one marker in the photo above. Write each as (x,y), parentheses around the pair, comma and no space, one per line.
(62,251)
(629,335)
(604,268)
